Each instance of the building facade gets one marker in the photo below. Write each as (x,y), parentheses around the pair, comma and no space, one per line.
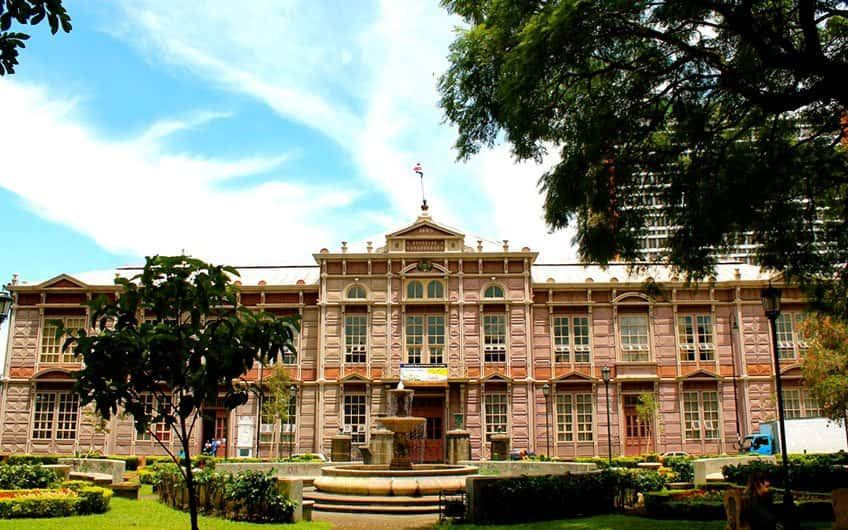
(487,338)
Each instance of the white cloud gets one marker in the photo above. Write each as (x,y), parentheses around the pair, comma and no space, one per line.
(134,197)
(363,75)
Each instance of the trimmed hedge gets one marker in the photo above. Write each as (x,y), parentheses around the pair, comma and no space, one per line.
(811,473)
(36,503)
(14,477)
(549,497)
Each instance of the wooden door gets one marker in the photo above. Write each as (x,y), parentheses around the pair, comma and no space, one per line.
(637,434)
(433,410)
(221,432)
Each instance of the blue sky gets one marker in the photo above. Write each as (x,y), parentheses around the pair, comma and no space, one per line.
(247,133)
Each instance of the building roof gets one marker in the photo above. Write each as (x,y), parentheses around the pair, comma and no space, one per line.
(626,273)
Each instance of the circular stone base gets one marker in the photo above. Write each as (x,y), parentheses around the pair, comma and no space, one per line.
(380,480)
(418,470)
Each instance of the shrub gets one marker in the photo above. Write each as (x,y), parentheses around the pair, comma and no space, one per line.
(146,476)
(257,498)
(39,504)
(19,459)
(306,457)
(632,482)
(93,499)
(684,470)
(13,477)
(75,499)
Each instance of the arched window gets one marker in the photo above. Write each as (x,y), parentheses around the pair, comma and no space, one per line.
(414,290)
(493,291)
(356,292)
(435,289)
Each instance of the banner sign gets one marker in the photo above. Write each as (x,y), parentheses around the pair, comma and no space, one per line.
(424,374)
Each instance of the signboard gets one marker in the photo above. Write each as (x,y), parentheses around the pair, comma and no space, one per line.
(246,431)
(424,374)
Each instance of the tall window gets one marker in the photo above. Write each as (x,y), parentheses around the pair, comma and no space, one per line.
(494,338)
(160,428)
(701,415)
(497,412)
(414,290)
(51,347)
(493,291)
(800,403)
(574,415)
(425,339)
(354,417)
(790,341)
(356,338)
(435,289)
(571,334)
(696,337)
(55,416)
(634,338)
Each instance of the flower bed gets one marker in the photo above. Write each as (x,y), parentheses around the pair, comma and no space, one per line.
(60,502)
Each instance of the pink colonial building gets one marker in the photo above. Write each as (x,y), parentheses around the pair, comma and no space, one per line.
(484,335)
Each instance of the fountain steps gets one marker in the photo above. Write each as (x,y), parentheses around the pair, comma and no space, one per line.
(334,502)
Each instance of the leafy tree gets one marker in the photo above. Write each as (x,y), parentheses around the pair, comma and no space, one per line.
(730,113)
(276,396)
(29,12)
(825,366)
(176,333)
(646,411)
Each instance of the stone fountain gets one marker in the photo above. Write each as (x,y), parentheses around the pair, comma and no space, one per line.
(401,424)
(401,486)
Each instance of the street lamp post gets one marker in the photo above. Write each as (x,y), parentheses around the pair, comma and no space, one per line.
(5,304)
(546,390)
(605,371)
(293,394)
(771,306)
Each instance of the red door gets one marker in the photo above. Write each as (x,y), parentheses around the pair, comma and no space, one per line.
(221,432)
(433,409)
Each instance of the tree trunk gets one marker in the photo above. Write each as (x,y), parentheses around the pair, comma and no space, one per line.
(192,498)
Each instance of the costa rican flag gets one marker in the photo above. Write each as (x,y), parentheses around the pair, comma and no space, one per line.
(418,169)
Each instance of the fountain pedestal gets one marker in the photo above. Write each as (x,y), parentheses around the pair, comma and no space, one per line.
(401,424)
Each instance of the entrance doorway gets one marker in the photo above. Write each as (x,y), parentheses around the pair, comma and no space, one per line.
(215,427)
(432,408)
(638,437)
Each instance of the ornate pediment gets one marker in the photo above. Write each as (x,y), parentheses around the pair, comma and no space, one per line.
(575,377)
(62,281)
(425,235)
(701,374)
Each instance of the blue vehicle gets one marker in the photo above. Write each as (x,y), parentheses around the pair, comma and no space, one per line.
(760,443)
(803,435)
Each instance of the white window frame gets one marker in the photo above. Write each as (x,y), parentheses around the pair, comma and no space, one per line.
(160,428)
(496,413)
(570,410)
(356,338)
(425,284)
(703,423)
(791,344)
(422,340)
(690,337)
(55,354)
(350,418)
(56,421)
(569,346)
(635,352)
(494,344)
(805,405)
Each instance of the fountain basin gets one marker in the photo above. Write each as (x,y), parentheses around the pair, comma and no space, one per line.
(418,470)
(381,481)
(402,424)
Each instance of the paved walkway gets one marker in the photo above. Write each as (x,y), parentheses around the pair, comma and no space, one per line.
(376,521)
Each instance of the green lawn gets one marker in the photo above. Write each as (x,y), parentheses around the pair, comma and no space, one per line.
(144,514)
(604,522)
